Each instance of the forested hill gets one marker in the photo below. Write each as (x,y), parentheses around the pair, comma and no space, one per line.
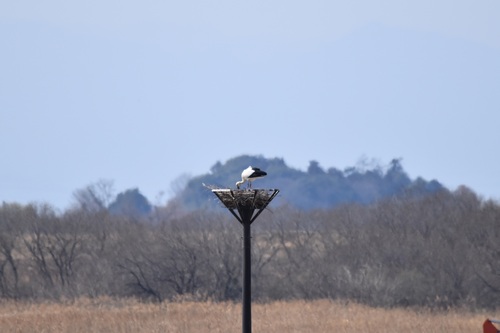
(314,188)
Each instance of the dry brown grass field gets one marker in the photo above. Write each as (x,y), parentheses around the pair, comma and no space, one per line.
(113,316)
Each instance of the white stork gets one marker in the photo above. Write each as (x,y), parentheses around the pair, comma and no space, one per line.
(249,175)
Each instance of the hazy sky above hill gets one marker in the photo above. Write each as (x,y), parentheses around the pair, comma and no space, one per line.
(142,92)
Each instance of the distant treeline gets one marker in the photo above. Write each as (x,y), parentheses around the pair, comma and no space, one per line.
(441,249)
(314,188)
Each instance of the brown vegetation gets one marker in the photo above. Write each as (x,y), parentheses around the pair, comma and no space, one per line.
(438,251)
(321,316)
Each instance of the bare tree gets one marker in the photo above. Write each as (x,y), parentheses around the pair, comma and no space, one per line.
(96,196)
(11,226)
(54,245)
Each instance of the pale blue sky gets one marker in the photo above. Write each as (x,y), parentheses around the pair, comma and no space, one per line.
(141,92)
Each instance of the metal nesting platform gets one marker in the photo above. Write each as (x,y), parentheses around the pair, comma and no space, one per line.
(248,203)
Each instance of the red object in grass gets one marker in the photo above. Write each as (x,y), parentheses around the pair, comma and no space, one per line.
(488,327)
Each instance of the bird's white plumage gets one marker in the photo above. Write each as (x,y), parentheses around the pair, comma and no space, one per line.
(249,175)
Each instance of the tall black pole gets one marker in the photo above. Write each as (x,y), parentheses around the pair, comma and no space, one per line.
(246,202)
(247,279)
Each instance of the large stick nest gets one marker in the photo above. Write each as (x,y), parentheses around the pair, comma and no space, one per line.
(248,198)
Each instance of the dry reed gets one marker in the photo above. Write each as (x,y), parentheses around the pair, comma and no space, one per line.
(112,316)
